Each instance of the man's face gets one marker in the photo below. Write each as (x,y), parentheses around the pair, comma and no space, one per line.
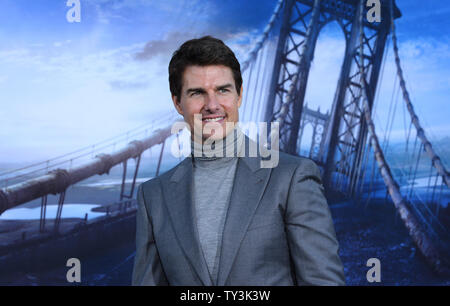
(209,91)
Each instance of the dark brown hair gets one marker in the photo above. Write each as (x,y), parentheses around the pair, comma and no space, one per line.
(203,51)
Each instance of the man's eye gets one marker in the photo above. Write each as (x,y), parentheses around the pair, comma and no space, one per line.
(195,93)
(223,90)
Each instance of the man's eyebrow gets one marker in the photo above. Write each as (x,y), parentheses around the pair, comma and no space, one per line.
(226,86)
(202,90)
(198,89)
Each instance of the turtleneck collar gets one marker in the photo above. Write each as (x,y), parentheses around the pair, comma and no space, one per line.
(226,148)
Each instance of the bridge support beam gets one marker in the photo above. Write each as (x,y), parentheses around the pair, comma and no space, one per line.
(57,181)
(347,133)
(296,45)
(287,11)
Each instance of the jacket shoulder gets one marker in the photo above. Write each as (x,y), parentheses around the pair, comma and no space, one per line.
(155,181)
(301,164)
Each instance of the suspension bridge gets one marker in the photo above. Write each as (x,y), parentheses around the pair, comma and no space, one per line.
(348,146)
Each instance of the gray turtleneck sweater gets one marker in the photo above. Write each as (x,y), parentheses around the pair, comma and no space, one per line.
(212,184)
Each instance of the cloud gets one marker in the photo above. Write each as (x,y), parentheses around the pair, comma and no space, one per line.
(426,67)
(239,42)
(69,99)
(325,69)
(427,14)
(123,85)
(164,46)
(20,56)
(200,18)
(145,11)
(58,44)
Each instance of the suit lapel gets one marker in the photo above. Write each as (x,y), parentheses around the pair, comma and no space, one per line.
(182,215)
(249,185)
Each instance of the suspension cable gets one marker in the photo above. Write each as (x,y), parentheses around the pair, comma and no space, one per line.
(47,163)
(263,37)
(436,160)
(411,222)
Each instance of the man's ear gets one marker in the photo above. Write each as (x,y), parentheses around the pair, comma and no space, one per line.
(177,105)
(240,97)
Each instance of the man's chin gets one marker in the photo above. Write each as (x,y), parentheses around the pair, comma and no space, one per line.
(219,133)
(213,137)
(207,137)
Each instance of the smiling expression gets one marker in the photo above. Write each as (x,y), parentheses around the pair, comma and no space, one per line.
(209,91)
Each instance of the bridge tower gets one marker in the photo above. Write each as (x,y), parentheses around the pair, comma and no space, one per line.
(346,133)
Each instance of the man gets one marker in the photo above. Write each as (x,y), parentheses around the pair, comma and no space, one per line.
(215,220)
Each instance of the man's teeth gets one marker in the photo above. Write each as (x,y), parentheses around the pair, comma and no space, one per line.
(213,119)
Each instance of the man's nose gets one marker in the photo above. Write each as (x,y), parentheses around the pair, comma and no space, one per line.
(211,102)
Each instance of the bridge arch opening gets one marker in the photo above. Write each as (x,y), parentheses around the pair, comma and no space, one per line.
(325,67)
(305,139)
(323,78)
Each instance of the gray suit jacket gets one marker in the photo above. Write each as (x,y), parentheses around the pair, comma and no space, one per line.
(278,229)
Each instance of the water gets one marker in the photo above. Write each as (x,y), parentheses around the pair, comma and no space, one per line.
(113,182)
(68,211)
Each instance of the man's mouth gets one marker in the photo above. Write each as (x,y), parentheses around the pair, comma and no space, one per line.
(213,119)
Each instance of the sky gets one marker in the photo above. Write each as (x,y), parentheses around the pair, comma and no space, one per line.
(68,85)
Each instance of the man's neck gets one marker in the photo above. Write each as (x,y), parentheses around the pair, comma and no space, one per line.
(228,147)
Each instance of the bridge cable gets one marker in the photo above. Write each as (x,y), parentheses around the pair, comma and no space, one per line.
(247,96)
(437,163)
(262,39)
(411,223)
(49,165)
(258,69)
(375,107)
(264,81)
